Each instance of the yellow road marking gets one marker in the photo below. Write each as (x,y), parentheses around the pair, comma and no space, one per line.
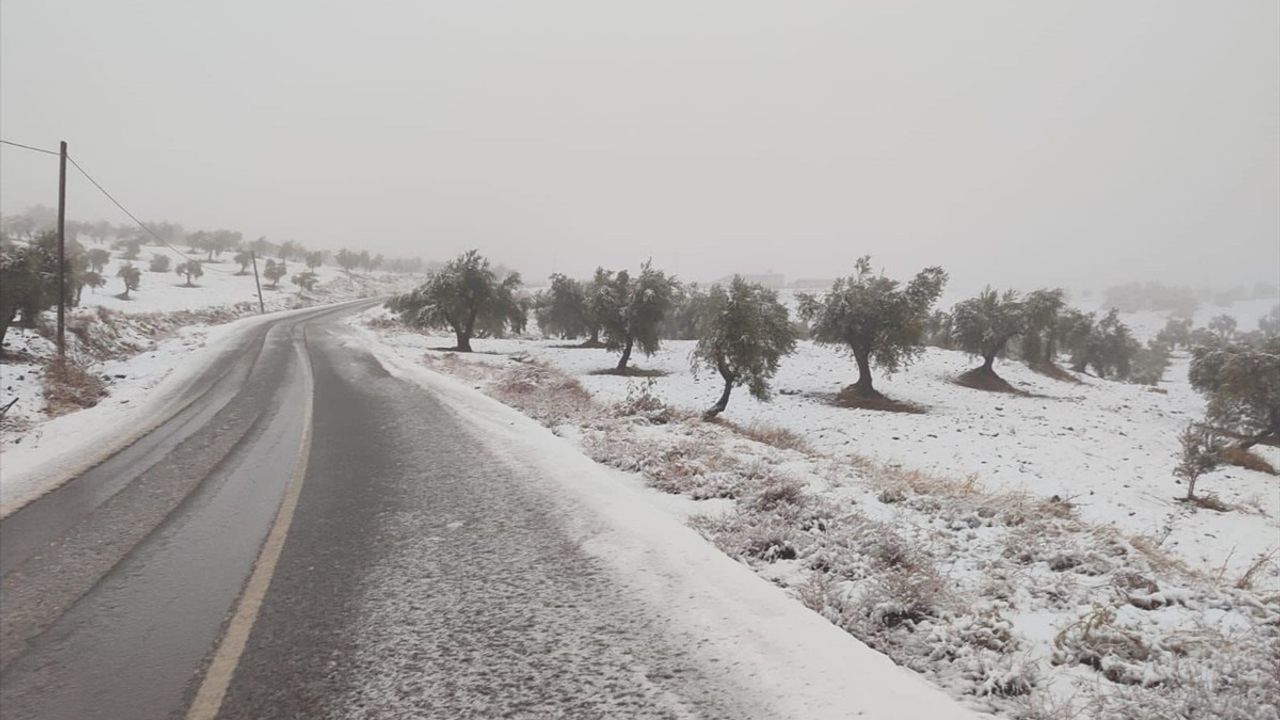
(218,677)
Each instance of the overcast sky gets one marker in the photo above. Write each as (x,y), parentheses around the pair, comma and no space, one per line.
(1014,142)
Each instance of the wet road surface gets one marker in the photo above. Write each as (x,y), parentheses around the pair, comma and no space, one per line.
(420,577)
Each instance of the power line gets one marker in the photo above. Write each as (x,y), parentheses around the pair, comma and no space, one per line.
(134,218)
(29,147)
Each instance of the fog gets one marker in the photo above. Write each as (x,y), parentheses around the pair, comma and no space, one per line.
(1014,143)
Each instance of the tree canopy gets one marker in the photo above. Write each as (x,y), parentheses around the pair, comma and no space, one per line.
(984,325)
(562,309)
(745,333)
(1242,386)
(632,311)
(876,318)
(465,296)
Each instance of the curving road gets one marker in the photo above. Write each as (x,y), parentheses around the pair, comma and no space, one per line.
(313,538)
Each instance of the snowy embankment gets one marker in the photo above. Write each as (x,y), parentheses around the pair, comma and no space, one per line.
(129,359)
(1026,552)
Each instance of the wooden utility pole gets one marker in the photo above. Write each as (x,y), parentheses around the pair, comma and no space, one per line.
(62,250)
(262,308)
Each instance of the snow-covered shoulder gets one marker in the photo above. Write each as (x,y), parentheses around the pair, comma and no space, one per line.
(800,665)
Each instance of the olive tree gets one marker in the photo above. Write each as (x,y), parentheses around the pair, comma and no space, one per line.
(131,277)
(984,325)
(633,309)
(347,260)
(274,271)
(1043,327)
(876,318)
(98,259)
(463,296)
(1176,332)
(1269,324)
(28,283)
(562,309)
(599,299)
(191,269)
(1105,346)
(690,311)
(1242,386)
(745,333)
(1223,326)
(243,258)
(305,280)
(94,281)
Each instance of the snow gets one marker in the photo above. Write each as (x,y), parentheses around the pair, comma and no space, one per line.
(799,664)
(1032,542)
(220,286)
(1145,324)
(1107,447)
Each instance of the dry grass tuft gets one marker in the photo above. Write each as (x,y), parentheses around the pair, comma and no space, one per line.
(771,435)
(1246,580)
(1247,459)
(69,386)
(1209,501)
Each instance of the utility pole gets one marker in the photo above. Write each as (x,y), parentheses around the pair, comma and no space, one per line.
(62,251)
(262,308)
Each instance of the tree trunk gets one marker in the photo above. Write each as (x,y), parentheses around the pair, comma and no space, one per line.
(723,402)
(863,386)
(464,340)
(5,321)
(988,362)
(626,356)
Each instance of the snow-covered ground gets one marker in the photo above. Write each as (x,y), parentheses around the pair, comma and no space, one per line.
(1026,551)
(1107,447)
(220,286)
(1145,324)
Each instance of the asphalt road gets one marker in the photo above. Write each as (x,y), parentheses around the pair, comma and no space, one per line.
(313,538)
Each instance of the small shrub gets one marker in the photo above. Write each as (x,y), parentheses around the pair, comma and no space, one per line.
(642,402)
(1202,450)
(68,386)
(777,494)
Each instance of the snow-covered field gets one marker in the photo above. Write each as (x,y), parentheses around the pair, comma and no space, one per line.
(1024,551)
(220,286)
(1106,447)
